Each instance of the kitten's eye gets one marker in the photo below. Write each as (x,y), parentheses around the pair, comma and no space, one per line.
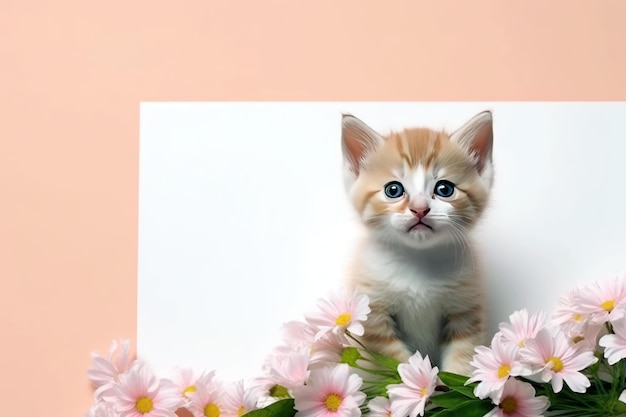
(394,189)
(444,188)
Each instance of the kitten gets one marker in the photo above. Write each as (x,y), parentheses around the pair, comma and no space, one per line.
(419,192)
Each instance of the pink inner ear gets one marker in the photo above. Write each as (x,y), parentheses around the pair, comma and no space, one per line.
(482,145)
(353,149)
(358,139)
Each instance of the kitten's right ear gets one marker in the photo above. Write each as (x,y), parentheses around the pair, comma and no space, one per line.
(358,140)
(476,136)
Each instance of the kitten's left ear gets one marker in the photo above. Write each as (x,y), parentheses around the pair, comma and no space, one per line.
(358,140)
(476,136)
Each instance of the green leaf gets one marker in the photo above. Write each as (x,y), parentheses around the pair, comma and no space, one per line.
(457,383)
(467,391)
(279,391)
(619,408)
(350,355)
(476,408)
(282,408)
(386,361)
(392,376)
(372,392)
(452,380)
(449,399)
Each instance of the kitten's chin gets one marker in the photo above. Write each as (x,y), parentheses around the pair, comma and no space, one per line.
(418,237)
(422,238)
(426,237)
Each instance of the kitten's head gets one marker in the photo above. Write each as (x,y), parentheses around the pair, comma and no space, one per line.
(420,187)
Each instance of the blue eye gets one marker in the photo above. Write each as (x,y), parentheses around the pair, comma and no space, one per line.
(444,188)
(394,189)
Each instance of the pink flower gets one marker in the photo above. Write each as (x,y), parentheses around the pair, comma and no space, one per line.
(419,380)
(101,409)
(340,313)
(327,349)
(260,388)
(568,313)
(615,344)
(493,366)
(185,382)
(558,361)
(297,334)
(379,407)
(289,368)
(521,327)
(330,392)
(206,401)
(105,372)
(585,336)
(237,401)
(518,400)
(139,394)
(604,300)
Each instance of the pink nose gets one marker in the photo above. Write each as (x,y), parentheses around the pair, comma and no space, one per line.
(419,207)
(420,212)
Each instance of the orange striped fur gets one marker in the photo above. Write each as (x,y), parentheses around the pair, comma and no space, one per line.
(419,192)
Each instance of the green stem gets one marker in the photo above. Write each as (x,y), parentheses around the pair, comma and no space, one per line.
(355,339)
(382,373)
(621,382)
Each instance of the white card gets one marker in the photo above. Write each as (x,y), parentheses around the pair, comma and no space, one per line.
(243,220)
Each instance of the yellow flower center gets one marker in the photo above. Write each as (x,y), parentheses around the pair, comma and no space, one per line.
(144,405)
(333,401)
(521,343)
(211,410)
(578,317)
(557,363)
(577,339)
(608,305)
(241,411)
(343,319)
(423,392)
(504,371)
(508,405)
(189,390)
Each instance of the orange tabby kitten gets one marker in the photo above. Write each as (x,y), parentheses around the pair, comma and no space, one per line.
(419,192)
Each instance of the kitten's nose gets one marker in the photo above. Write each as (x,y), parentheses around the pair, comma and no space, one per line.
(420,212)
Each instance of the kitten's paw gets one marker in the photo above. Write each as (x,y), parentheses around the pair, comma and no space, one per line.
(459,368)
(404,356)
(456,357)
(397,351)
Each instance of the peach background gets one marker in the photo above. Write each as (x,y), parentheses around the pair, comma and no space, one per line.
(72,74)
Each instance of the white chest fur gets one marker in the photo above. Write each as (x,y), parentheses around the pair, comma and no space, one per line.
(418,287)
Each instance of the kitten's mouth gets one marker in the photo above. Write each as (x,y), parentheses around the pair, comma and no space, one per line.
(420,225)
